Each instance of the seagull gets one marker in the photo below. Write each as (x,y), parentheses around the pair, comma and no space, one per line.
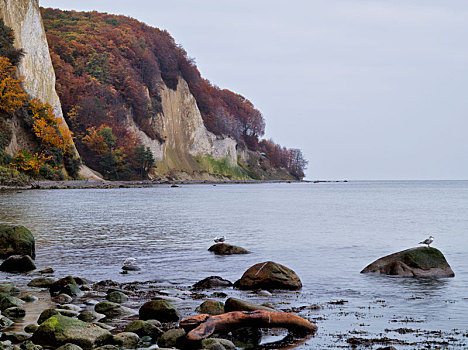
(427,241)
(129,261)
(220,239)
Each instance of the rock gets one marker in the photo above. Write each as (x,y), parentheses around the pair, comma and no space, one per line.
(67,312)
(211,307)
(28,298)
(414,262)
(69,346)
(16,240)
(112,310)
(171,337)
(227,249)
(160,310)
(7,301)
(107,347)
(217,344)
(143,328)
(127,340)
(117,297)
(130,268)
(64,286)
(269,275)
(46,314)
(31,328)
(5,322)
(71,307)
(42,282)
(46,271)
(212,282)
(15,337)
(388,348)
(62,299)
(9,289)
(59,330)
(18,263)
(233,304)
(14,312)
(90,316)
(29,345)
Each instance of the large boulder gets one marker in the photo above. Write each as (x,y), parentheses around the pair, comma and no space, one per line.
(227,249)
(414,262)
(269,275)
(66,285)
(160,310)
(18,263)
(16,240)
(59,330)
(7,301)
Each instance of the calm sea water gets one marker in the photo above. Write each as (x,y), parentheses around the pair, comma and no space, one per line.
(326,232)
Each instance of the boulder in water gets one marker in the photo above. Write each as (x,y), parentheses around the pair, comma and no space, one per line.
(269,275)
(18,263)
(59,330)
(211,307)
(66,285)
(414,262)
(160,310)
(234,304)
(212,282)
(16,240)
(227,249)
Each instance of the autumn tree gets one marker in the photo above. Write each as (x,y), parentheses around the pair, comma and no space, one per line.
(12,94)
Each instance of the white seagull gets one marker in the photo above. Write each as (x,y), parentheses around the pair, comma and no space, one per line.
(220,239)
(427,241)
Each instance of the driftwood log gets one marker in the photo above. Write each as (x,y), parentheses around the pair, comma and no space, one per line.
(202,326)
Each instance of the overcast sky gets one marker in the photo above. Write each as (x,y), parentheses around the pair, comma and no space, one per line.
(368,89)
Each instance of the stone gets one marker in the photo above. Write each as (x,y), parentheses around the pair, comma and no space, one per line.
(269,275)
(59,330)
(143,328)
(227,249)
(64,286)
(16,240)
(414,262)
(28,298)
(127,340)
(15,337)
(46,314)
(62,299)
(5,322)
(90,316)
(9,289)
(160,310)
(14,312)
(30,328)
(217,344)
(171,337)
(42,282)
(212,282)
(18,263)
(117,297)
(112,310)
(29,345)
(211,307)
(67,312)
(46,271)
(234,304)
(108,347)
(7,301)
(69,346)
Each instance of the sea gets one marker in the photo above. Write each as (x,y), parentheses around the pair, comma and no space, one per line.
(326,232)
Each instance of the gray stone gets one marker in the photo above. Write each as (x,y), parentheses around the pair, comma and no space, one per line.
(46,314)
(10,290)
(28,298)
(18,263)
(127,340)
(69,346)
(16,240)
(14,312)
(170,337)
(29,345)
(30,328)
(64,286)
(161,310)
(234,304)
(217,344)
(212,282)
(5,322)
(112,310)
(7,301)
(269,275)
(62,299)
(42,282)
(15,337)
(211,307)
(227,249)
(90,316)
(144,328)
(117,297)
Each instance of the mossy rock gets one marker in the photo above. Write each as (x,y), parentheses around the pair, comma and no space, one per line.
(415,262)
(7,301)
(269,275)
(66,285)
(59,330)
(160,310)
(16,240)
(9,289)
(144,328)
(211,307)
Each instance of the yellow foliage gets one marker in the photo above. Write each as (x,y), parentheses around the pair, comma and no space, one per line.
(12,94)
(95,141)
(30,164)
(49,129)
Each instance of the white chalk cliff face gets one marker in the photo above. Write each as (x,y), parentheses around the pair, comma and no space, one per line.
(185,136)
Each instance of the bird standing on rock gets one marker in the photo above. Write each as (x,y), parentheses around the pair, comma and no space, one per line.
(427,241)
(220,239)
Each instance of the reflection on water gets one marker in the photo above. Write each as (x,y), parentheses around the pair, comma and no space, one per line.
(326,232)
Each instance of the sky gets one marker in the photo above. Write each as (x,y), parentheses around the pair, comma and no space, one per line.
(367,89)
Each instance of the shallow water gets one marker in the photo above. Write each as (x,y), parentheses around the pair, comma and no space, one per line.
(326,232)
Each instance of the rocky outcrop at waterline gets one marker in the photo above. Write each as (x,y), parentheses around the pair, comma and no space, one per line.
(269,275)
(16,240)
(414,262)
(227,249)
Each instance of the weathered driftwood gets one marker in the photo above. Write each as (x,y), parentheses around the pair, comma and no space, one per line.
(202,326)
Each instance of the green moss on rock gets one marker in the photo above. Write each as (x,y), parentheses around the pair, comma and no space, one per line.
(16,240)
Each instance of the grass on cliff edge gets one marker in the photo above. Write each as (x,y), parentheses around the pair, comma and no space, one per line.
(222,167)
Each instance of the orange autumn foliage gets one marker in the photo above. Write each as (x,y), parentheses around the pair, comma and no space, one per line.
(30,163)
(12,94)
